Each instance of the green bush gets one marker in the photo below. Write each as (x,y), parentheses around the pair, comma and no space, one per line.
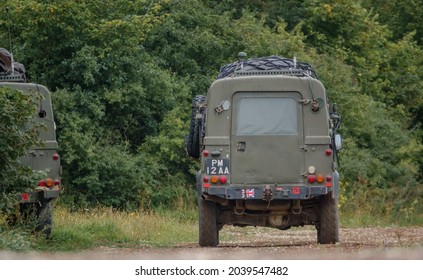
(17,135)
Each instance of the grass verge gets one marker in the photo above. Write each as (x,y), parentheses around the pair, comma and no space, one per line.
(103,227)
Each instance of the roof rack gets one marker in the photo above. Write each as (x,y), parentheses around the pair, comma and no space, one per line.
(15,77)
(287,72)
(271,65)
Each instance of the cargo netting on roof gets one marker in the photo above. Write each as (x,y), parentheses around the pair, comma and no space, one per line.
(267,65)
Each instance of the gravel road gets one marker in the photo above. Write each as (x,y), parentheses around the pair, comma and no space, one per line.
(263,243)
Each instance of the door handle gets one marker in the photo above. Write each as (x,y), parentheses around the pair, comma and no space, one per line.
(240,146)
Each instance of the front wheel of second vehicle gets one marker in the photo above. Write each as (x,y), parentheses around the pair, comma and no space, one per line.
(44,215)
(208,227)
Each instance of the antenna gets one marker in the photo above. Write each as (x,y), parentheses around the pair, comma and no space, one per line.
(10,39)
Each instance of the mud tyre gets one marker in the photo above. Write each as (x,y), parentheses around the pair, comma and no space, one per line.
(44,219)
(208,228)
(328,228)
(192,141)
(38,217)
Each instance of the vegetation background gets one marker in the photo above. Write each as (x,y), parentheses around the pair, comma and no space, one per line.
(123,74)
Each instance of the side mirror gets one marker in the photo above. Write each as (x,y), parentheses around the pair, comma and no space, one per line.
(338,142)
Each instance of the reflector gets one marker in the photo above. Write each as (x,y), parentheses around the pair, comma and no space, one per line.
(296,190)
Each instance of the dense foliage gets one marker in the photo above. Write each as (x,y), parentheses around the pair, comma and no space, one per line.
(16,137)
(124,73)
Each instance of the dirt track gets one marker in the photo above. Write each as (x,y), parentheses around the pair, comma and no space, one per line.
(262,243)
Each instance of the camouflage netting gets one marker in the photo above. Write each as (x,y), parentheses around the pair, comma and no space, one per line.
(8,67)
(5,61)
(271,63)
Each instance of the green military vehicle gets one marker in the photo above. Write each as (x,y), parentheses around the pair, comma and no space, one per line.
(267,140)
(36,201)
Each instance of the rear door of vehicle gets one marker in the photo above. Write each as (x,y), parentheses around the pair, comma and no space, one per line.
(267,137)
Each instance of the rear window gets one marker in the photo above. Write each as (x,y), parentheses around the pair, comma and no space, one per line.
(267,116)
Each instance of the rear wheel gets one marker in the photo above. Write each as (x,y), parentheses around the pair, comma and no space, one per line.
(44,219)
(208,227)
(327,230)
(38,217)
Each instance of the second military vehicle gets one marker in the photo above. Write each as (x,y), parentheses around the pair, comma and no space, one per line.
(35,203)
(267,141)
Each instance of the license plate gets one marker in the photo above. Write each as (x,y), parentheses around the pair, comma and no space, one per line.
(217,166)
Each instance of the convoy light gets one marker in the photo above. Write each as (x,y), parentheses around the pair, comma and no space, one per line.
(311,169)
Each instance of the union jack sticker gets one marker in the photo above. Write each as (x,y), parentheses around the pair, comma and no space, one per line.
(248,193)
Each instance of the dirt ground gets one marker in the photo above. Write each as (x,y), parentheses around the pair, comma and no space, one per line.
(263,243)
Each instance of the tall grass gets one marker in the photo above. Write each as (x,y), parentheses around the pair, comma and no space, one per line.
(73,231)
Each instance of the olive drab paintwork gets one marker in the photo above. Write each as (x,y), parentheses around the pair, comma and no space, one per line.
(35,202)
(267,154)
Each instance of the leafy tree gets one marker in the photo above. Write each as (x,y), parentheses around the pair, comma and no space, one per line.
(402,17)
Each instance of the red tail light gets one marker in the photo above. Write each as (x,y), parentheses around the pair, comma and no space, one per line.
(328,181)
(42,183)
(206,179)
(312,179)
(56,156)
(56,182)
(25,197)
(223,179)
(205,153)
(328,152)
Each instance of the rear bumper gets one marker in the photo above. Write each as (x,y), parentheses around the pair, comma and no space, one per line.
(39,195)
(267,192)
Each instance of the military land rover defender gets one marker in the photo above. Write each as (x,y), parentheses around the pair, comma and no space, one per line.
(266,138)
(36,201)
